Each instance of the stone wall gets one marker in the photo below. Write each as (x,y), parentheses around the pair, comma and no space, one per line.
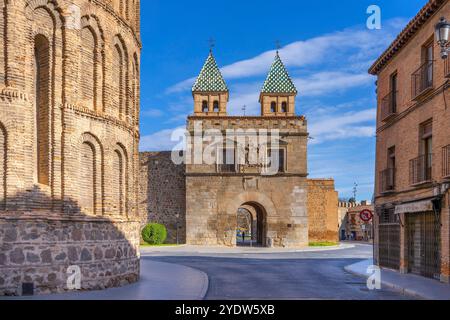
(322,210)
(162,193)
(75,170)
(39,248)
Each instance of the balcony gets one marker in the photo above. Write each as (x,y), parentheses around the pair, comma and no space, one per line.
(387,180)
(420,169)
(389,106)
(446,162)
(422,80)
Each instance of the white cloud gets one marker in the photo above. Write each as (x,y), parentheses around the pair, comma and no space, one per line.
(348,125)
(154,113)
(322,83)
(159,141)
(357,46)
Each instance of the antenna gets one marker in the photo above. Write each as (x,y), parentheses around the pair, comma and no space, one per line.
(355,191)
(244,108)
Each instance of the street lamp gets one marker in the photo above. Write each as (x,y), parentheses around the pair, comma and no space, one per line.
(442,33)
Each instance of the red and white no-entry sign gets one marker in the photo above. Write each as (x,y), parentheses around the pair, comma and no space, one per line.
(366,215)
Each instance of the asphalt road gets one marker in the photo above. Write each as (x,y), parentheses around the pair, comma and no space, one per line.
(297,275)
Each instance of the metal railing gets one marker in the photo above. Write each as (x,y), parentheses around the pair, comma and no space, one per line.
(422,79)
(387,180)
(420,169)
(446,161)
(389,105)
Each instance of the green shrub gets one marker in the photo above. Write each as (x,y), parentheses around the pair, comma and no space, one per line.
(154,233)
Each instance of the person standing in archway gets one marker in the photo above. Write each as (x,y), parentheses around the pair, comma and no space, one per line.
(243,237)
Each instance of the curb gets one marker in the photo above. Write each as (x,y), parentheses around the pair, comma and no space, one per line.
(228,250)
(396,288)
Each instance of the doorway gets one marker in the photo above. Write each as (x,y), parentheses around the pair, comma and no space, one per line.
(251,226)
(423,230)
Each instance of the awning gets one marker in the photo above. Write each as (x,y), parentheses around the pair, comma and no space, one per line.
(414,207)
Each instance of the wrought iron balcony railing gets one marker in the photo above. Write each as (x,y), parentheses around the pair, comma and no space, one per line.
(446,161)
(387,180)
(420,169)
(422,79)
(389,105)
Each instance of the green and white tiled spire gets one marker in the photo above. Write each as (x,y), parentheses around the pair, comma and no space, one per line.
(210,79)
(278,80)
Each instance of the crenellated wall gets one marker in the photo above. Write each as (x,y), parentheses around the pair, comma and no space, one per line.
(69,134)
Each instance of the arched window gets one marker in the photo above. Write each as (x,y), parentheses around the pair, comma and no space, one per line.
(3,157)
(284,107)
(42,107)
(120,80)
(205,106)
(88,179)
(273,107)
(120,167)
(216,106)
(136,89)
(88,67)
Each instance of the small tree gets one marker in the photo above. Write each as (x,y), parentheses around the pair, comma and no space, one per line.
(154,233)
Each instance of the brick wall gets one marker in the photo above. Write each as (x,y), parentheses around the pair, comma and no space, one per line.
(322,210)
(60,133)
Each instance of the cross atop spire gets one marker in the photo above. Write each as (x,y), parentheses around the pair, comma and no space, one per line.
(278,45)
(212,44)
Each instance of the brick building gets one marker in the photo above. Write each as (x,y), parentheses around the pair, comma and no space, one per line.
(69,135)
(286,209)
(413,149)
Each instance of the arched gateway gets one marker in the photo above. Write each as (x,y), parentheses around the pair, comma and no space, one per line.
(251,226)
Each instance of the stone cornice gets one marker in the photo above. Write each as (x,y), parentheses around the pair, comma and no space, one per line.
(50,216)
(11,93)
(220,174)
(83,111)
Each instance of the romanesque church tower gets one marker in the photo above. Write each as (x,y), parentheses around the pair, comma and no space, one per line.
(218,193)
(69,134)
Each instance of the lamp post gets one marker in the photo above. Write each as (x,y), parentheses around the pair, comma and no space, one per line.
(442,33)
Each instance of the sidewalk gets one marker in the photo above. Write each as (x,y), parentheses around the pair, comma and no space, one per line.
(159,281)
(239,250)
(408,284)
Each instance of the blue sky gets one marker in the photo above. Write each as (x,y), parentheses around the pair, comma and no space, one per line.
(325,46)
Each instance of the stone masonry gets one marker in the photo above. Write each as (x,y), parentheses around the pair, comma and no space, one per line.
(69,134)
(163,194)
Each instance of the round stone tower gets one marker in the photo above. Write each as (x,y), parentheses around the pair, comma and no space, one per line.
(69,133)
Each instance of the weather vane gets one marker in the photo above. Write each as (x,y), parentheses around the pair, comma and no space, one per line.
(212,43)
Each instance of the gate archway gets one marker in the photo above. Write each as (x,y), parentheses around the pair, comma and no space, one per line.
(251,225)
